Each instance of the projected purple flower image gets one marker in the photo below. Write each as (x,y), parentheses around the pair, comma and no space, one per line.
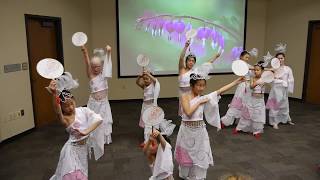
(160,28)
(176,29)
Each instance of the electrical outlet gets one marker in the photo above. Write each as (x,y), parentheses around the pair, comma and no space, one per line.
(22,112)
(18,114)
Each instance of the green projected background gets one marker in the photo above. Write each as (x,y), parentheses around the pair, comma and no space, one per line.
(157,28)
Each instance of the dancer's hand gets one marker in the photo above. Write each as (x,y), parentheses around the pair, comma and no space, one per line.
(187,44)
(146,72)
(84,49)
(155,133)
(108,49)
(241,79)
(52,88)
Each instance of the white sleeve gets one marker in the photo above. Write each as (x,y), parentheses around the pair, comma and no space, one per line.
(92,117)
(290,81)
(280,81)
(96,138)
(107,67)
(163,165)
(156,92)
(211,110)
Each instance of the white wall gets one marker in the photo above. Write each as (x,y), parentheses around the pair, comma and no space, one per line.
(287,21)
(15,87)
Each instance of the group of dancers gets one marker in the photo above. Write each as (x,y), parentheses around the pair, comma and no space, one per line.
(90,127)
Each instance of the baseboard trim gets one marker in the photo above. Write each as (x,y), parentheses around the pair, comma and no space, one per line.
(15,137)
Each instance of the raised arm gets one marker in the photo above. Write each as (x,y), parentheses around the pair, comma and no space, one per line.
(86,61)
(215,57)
(153,79)
(189,110)
(230,85)
(182,55)
(146,147)
(108,50)
(140,82)
(156,134)
(52,89)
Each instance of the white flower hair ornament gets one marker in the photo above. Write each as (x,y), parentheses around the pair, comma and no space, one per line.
(267,59)
(66,82)
(254,52)
(281,48)
(99,52)
(202,72)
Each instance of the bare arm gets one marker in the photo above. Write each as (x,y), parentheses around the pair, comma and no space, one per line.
(189,110)
(229,86)
(214,58)
(57,108)
(146,147)
(182,55)
(163,142)
(153,79)
(87,61)
(269,69)
(139,81)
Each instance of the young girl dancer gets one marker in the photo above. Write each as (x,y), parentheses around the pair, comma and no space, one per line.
(79,123)
(192,150)
(151,90)
(99,68)
(239,98)
(253,115)
(159,154)
(186,67)
(278,103)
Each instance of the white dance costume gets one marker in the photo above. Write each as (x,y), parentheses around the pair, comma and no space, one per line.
(73,161)
(278,103)
(100,105)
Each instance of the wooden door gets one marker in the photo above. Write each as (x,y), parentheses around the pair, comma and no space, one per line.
(44,41)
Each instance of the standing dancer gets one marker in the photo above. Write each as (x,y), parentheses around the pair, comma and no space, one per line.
(193,150)
(99,68)
(151,90)
(79,123)
(240,96)
(278,102)
(253,115)
(186,67)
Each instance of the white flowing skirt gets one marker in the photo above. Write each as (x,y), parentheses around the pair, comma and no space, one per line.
(102,107)
(253,116)
(145,105)
(236,106)
(73,162)
(278,105)
(193,151)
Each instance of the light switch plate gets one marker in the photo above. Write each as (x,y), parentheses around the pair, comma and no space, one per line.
(24,66)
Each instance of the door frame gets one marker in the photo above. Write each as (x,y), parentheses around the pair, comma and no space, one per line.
(308,55)
(60,57)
